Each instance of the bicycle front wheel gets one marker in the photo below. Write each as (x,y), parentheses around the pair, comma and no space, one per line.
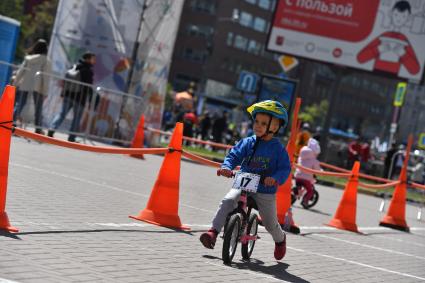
(231,238)
(252,230)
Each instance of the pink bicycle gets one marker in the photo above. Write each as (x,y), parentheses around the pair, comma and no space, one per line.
(242,223)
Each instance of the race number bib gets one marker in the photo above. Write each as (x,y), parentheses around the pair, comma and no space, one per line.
(246,181)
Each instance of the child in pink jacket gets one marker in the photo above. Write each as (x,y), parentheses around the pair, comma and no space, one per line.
(308,158)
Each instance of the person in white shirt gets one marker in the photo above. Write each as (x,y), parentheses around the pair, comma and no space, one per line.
(28,82)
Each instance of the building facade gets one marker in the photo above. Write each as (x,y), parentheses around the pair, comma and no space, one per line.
(219,39)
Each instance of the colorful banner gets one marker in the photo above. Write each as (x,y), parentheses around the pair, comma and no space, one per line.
(374,35)
(159,30)
(109,28)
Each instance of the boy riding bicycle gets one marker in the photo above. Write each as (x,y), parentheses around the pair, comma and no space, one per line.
(260,154)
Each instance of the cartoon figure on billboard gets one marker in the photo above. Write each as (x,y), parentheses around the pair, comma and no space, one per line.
(392,49)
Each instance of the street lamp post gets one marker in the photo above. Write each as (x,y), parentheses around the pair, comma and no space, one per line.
(135,49)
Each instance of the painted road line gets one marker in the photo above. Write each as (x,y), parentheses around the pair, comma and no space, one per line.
(182,204)
(358,263)
(97,184)
(372,228)
(367,246)
(400,241)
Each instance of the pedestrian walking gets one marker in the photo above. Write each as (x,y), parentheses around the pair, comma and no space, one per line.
(26,82)
(75,96)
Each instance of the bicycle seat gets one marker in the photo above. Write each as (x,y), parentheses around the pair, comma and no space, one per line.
(251,203)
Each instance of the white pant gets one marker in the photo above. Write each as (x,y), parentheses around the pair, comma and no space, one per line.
(266,204)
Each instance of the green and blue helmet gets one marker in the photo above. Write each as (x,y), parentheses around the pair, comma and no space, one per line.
(271,107)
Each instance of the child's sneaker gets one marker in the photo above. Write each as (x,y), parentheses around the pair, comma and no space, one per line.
(208,239)
(280,249)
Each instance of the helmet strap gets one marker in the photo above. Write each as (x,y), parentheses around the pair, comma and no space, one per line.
(268,128)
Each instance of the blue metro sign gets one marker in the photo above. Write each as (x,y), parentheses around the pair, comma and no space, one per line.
(247,82)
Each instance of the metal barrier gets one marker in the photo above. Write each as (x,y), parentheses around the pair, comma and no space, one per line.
(102,111)
(103,114)
(112,120)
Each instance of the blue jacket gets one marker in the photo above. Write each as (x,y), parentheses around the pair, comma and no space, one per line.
(270,160)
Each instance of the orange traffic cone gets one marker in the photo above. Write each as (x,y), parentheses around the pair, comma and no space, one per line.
(283,207)
(283,194)
(6,118)
(163,203)
(139,137)
(396,216)
(345,217)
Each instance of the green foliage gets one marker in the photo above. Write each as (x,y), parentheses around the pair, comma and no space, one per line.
(315,114)
(12,9)
(38,24)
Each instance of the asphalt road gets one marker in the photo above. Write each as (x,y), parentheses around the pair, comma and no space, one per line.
(72,209)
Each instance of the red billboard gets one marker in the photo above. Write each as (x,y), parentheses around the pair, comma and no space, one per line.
(381,35)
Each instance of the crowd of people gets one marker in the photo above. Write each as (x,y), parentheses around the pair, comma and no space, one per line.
(216,127)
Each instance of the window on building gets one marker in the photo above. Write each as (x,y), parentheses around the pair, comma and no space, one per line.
(191,29)
(235,13)
(187,53)
(245,19)
(240,42)
(229,39)
(265,4)
(238,68)
(204,6)
(254,47)
(195,55)
(231,66)
(259,24)
(199,30)
(224,64)
(181,81)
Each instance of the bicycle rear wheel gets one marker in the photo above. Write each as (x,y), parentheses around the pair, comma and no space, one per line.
(231,238)
(252,230)
(312,201)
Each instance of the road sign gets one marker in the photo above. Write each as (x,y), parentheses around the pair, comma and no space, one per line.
(287,62)
(399,94)
(421,141)
(247,82)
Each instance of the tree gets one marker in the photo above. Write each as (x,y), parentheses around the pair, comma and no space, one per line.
(315,114)
(36,23)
